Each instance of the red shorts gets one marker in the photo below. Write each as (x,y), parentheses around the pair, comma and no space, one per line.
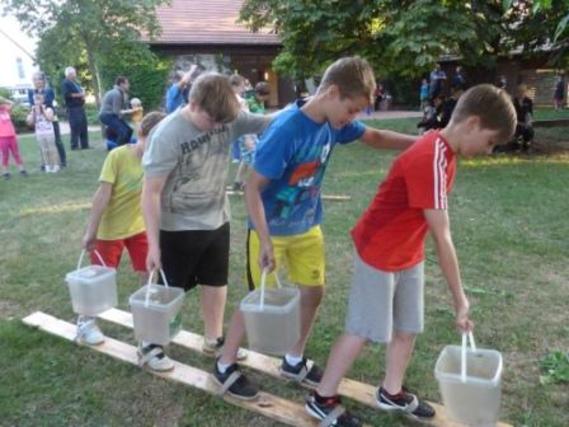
(111,251)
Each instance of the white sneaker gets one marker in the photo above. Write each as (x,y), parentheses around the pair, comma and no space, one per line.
(47,169)
(153,356)
(55,168)
(88,332)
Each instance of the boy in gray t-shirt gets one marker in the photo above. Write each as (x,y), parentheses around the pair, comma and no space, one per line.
(184,203)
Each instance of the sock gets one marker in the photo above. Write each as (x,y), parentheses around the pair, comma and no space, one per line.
(222,367)
(293,360)
(322,400)
(392,396)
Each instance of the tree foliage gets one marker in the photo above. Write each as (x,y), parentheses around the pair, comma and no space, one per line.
(402,37)
(76,31)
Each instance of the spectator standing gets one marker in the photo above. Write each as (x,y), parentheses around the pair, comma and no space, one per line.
(436,81)
(9,140)
(559,92)
(41,88)
(74,97)
(42,118)
(177,94)
(424,94)
(458,81)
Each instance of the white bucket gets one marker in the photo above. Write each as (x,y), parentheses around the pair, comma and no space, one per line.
(470,383)
(93,289)
(156,312)
(272,318)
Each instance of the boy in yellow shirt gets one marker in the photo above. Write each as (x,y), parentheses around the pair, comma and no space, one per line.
(116,217)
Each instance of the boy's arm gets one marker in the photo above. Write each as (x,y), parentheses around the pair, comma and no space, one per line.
(256,210)
(386,139)
(439,225)
(151,193)
(100,203)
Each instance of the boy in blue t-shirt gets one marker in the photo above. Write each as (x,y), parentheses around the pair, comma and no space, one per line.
(285,209)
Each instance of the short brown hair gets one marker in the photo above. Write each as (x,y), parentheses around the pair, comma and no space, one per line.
(149,121)
(492,105)
(236,80)
(352,75)
(212,93)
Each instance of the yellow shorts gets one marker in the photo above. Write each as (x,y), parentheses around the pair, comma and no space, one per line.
(301,254)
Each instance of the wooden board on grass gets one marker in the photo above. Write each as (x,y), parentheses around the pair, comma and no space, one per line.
(331,197)
(270,406)
(358,391)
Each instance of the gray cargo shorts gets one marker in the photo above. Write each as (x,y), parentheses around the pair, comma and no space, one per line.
(381,302)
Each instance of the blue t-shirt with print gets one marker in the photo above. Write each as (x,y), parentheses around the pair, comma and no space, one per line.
(293,154)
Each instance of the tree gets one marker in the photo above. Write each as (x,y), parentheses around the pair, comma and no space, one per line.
(72,30)
(402,37)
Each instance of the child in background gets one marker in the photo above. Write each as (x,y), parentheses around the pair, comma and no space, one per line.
(424,94)
(238,84)
(255,104)
(137,113)
(41,117)
(116,219)
(8,140)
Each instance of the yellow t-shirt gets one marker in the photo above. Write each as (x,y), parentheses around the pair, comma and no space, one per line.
(123,216)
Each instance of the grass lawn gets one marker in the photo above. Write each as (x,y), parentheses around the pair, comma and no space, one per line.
(510,228)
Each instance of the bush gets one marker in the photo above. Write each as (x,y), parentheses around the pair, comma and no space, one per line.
(19,114)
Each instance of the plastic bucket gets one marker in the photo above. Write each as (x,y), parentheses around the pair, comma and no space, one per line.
(156,312)
(470,383)
(93,289)
(272,318)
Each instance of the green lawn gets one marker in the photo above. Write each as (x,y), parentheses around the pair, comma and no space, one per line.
(510,228)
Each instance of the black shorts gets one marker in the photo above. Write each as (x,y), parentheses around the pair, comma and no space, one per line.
(195,257)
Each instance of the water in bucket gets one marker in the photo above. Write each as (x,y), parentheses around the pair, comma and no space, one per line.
(470,383)
(93,289)
(156,312)
(272,318)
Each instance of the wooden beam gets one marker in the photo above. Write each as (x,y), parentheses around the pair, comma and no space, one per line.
(330,197)
(270,406)
(358,391)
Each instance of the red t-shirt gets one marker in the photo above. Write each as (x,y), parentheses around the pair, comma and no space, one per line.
(391,233)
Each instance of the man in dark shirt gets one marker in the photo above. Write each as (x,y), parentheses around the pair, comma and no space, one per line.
(74,96)
(40,88)
(113,109)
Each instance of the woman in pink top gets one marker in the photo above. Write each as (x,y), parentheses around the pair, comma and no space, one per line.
(8,140)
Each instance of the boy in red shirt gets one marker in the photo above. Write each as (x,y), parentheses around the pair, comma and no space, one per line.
(386,298)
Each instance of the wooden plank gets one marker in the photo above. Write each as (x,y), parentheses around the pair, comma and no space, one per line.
(550,123)
(358,391)
(330,197)
(270,406)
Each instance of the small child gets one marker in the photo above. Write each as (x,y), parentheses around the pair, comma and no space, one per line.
(386,299)
(116,219)
(424,94)
(431,115)
(255,104)
(8,140)
(41,117)
(137,113)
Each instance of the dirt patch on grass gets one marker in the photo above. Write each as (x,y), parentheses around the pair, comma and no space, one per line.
(8,309)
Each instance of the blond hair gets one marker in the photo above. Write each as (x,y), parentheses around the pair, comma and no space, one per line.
(492,105)
(213,94)
(236,80)
(352,75)
(149,121)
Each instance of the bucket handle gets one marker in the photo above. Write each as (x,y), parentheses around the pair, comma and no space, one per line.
(470,338)
(83,254)
(150,277)
(263,285)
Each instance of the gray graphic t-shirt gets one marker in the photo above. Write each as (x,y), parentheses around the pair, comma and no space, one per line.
(196,164)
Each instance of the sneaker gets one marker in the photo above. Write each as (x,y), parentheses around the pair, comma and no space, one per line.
(238,186)
(23,172)
(215,347)
(88,332)
(235,383)
(48,169)
(55,168)
(153,356)
(7,176)
(405,402)
(305,371)
(330,411)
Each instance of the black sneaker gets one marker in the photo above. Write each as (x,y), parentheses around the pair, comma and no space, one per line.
(7,176)
(404,402)
(301,372)
(330,411)
(235,383)
(23,172)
